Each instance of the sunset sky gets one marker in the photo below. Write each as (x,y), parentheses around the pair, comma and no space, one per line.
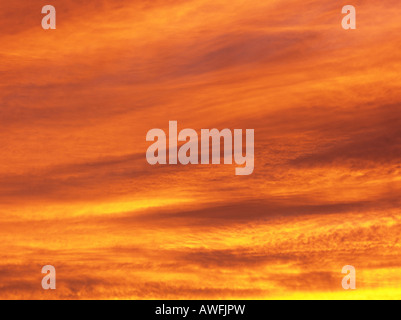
(76,191)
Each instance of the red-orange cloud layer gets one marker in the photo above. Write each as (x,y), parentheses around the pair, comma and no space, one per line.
(76,191)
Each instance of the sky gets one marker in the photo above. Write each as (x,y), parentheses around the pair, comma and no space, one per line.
(76,191)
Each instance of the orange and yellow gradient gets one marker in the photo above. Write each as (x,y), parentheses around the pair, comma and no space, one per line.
(77,193)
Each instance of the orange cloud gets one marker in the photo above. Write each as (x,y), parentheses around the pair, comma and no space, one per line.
(76,190)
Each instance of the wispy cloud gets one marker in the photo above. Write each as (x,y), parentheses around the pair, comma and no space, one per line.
(76,191)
